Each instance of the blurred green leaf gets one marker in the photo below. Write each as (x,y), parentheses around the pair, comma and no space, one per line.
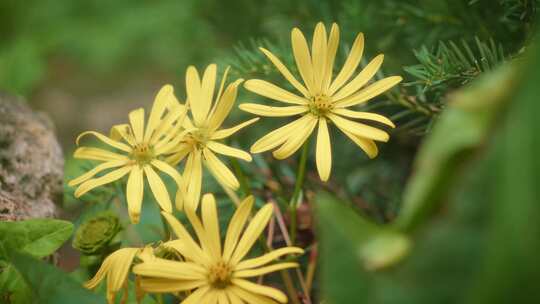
(13,288)
(37,237)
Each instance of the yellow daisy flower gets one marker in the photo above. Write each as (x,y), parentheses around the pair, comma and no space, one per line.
(202,141)
(138,152)
(215,273)
(324,99)
(115,268)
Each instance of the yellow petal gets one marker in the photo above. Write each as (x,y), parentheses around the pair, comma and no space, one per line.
(194,94)
(167,169)
(229,151)
(97,154)
(319,49)
(122,131)
(234,299)
(222,298)
(107,140)
(208,86)
(190,250)
(167,269)
(361,79)
(249,296)
(323,151)
(136,119)
(261,290)
(134,193)
(365,115)
(278,136)
(267,89)
(197,296)
(332,47)
(105,179)
(350,64)
(182,151)
(224,105)
(367,145)
(303,59)
(296,139)
(164,97)
(202,235)
(248,273)
(211,221)
(100,274)
(267,258)
(220,171)
(193,178)
(369,92)
(221,86)
(159,189)
(359,129)
(236,225)
(285,72)
(122,260)
(96,170)
(268,111)
(158,285)
(253,231)
(169,126)
(224,133)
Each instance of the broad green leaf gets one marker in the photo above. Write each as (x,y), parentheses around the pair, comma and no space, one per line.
(13,288)
(37,237)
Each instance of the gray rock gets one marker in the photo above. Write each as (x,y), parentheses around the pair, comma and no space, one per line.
(31,163)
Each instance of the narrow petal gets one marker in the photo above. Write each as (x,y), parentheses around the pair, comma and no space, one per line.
(159,189)
(229,151)
(134,193)
(324,151)
(367,145)
(234,299)
(122,260)
(285,72)
(267,258)
(136,119)
(191,250)
(202,234)
(222,85)
(169,126)
(350,64)
(359,129)
(91,153)
(224,133)
(167,269)
(268,111)
(107,140)
(211,222)
(361,79)
(208,86)
(296,139)
(333,43)
(122,131)
(99,168)
(303,59)
(278,136)
(105,179)
(194,94)
(172,172)
(236,225)
(100,274)
(365,115)
(253,231)
(319,49)
(179,155)
(220,171)
(159,285)
(267,89)
(369,92)
(250,297)
(223,106)
(197,296)
(261,290)
(164,97)
(211,297)
(255,272)
(193,180)
(222,298)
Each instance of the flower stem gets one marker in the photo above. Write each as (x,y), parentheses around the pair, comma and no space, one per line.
(293,204)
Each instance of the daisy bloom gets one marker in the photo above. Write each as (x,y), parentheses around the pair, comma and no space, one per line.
(137,153)
(324,99)
(212,272)
(201,143)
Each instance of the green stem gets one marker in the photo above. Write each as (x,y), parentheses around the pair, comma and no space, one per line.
(297,188)
(241,177)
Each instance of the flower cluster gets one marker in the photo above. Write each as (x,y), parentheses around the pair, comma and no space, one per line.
(190,135)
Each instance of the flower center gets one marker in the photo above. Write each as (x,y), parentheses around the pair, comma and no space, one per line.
(320,104)
(142,154)
(220,275)
(197,138)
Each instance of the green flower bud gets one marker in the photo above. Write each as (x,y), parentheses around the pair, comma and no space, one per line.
(96,234)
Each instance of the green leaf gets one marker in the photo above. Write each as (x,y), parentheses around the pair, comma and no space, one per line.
(13,288)
(37,237)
